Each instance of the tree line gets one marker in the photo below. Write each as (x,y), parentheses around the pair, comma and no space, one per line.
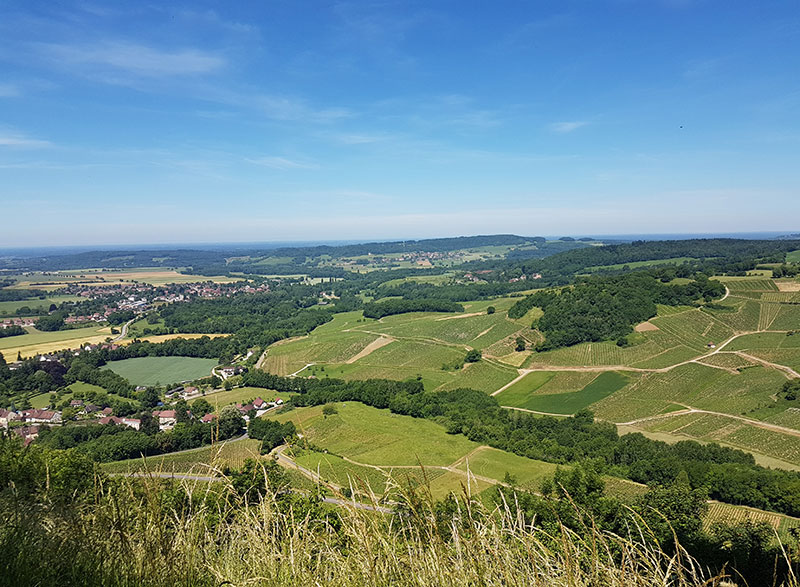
(727,474)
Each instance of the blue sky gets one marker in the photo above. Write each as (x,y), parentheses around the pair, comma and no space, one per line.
(131,122)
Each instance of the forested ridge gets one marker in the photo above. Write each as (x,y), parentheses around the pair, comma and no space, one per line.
(603,308)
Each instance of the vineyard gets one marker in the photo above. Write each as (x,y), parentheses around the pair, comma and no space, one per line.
(695,329)
(748,285)
(727,361)
(744,317)
(726,513)
(199,461)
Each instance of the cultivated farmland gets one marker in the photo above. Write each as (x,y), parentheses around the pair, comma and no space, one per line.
(162,370)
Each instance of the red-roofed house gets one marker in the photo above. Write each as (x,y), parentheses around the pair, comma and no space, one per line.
(208,418)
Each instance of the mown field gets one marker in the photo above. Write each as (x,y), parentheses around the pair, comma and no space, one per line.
(37,342)
(96,277)
(162,370)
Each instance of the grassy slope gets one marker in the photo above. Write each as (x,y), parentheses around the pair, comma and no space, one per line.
(378,437)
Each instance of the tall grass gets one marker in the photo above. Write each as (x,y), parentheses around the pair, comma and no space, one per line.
(146,531)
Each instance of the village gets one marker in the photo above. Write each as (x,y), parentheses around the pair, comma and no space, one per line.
(28,423)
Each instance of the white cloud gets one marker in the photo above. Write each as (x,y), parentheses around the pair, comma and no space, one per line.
(280,163)
(566,127)
(21,141)
(137,59)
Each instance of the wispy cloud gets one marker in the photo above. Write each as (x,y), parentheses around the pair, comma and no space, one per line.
(281,163)
(362,139)
(136,59)
(567,127)
(9,91)
(21,141)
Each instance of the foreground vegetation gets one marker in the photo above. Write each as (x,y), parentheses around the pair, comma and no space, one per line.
(252,527)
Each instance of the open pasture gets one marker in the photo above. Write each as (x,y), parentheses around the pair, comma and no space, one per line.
(162,370)
(793,257)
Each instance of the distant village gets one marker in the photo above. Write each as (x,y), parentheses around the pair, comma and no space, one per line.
(27,423)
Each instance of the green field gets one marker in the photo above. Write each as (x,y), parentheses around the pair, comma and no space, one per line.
(407,345)
(162,370)
(565,403)
(420,344)
(494,463)
(793,257)
(378,437)
(10,308)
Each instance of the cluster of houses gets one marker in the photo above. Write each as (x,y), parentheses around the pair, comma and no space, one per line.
(226,372)
(24,322)
(32,419)
(27,422)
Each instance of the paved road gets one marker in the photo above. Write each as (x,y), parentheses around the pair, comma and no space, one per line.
(124,332)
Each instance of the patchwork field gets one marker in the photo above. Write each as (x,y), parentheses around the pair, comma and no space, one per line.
(429,345)
(162,370)
(730,359)
(561,401)
(37,342)
(90,277)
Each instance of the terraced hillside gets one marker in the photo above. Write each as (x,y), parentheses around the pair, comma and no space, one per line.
(710,373)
